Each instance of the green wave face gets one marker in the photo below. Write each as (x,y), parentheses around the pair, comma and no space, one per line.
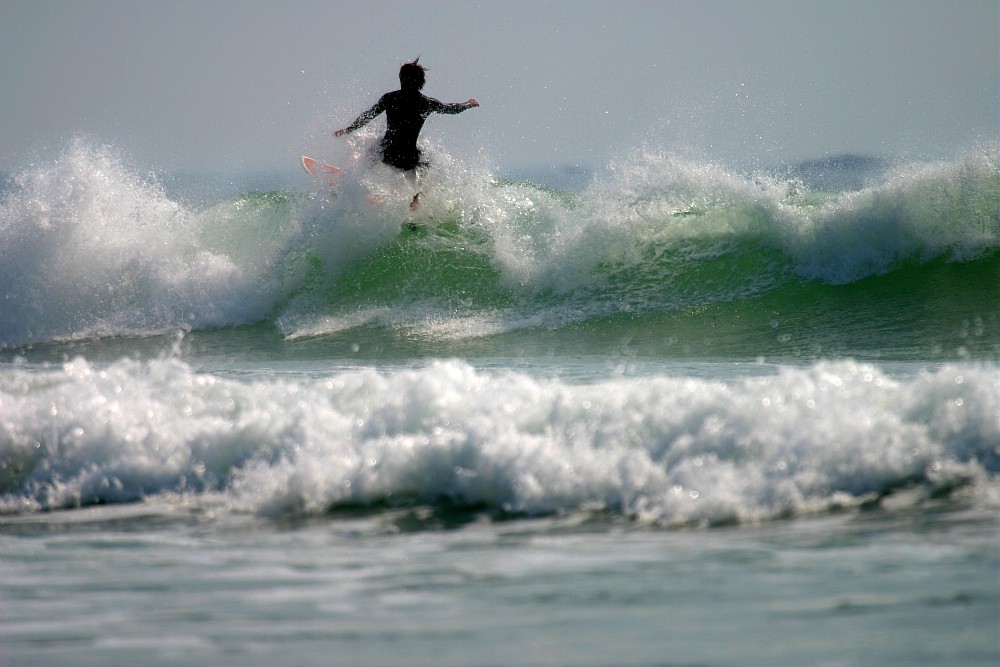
(657,254)
(695,262)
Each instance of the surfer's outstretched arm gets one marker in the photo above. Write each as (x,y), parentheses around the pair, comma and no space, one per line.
(363,119)
(457,107)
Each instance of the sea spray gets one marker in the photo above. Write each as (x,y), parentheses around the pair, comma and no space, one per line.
(920,212)
(88,248)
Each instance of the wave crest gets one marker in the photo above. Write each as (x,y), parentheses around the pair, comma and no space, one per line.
(88,248)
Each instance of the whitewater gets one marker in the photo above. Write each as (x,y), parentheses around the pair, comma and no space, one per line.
(527,424)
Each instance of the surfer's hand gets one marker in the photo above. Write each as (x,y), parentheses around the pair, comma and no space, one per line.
(472,103)
(339,132)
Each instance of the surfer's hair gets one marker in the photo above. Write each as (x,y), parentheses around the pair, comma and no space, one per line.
(411,75)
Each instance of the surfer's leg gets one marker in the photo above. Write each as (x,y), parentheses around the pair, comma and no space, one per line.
(413,176)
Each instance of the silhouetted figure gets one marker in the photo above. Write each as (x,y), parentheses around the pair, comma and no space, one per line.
(405,110)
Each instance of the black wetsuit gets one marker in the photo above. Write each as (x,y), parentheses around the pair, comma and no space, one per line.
(405,113)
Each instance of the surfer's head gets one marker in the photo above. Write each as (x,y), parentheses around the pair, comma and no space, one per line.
(411,75)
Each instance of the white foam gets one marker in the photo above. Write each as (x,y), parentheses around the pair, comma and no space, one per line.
(89,248)
(660,449)
(921,212)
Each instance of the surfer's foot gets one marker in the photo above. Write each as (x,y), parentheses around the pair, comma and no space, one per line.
(415,203)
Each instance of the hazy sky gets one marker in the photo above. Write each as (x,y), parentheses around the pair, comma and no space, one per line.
(199,84)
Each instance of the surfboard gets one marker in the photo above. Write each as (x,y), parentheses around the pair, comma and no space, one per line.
(329,175)
(321,170)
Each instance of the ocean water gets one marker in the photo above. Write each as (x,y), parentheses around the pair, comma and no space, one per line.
(672,413)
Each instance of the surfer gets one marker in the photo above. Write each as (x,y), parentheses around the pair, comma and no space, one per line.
(405,110)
